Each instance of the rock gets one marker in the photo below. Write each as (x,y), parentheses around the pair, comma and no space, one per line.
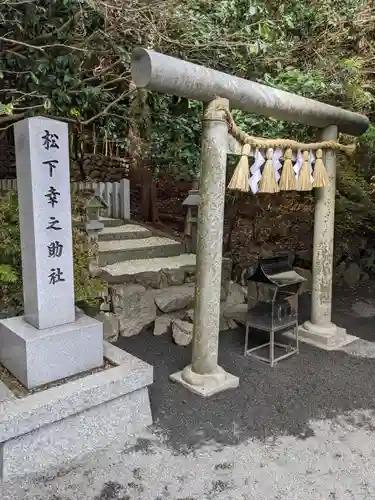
(237,294)
(151,279)
(189,315)
(234,308)
(339,271)
(304,257)
(174,276)
(226,273)
(240,272)
(352,275)
(182,332)
(94,174)
(135,308)
(175,298)
(126,297)
(364,309)
(307,274)
(162,324)
(231,323)
(225,323)
(79,312)
(105,304)
(237,312)
(110,326)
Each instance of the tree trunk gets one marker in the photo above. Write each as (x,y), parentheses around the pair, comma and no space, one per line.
(149,208)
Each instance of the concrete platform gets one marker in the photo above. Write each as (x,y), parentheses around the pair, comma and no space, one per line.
(62,424)
(124,232)
(111,252)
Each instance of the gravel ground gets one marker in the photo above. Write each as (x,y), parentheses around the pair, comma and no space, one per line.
(304,430)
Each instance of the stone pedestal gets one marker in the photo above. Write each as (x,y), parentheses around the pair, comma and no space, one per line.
(329,336)
(208,384)
(61,425)
(50,342)
(38,357)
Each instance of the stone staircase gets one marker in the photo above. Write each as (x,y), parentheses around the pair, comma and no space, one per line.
(130,253)
(151,281)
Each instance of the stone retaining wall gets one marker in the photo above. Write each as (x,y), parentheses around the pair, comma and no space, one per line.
(130,308)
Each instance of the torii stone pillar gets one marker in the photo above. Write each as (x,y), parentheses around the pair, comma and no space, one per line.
(204,376)
(320,331)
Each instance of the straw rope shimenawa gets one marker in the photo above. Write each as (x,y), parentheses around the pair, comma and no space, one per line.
(268,184)
(262,142)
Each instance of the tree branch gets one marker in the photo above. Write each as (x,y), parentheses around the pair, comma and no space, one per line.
(106,109)
(41,47)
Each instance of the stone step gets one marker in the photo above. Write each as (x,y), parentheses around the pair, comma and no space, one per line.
(111,222)
(124,232)
(114,251)
(154,273)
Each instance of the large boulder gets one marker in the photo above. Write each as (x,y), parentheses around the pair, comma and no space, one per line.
(352,275)
(135,308)
(175,298)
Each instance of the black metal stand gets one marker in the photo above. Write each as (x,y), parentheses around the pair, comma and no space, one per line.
(272,360)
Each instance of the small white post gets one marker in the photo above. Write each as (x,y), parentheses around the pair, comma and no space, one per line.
(42,153)
(115,200)
(125,198)
(107,198)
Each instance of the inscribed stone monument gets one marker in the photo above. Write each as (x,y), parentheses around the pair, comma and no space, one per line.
(49,342)
(45,221)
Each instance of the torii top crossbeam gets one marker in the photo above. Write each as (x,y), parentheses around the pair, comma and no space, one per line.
(169,75)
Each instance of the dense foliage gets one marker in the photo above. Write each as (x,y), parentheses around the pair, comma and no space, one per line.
(11,300)
(71,59)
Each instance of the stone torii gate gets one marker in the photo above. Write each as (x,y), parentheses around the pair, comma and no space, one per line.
(165,74)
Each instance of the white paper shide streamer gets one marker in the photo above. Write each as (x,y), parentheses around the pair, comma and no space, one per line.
(255,171)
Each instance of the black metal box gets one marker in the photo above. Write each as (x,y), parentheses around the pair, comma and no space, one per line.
(273,288)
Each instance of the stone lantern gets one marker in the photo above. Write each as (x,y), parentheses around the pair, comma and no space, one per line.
(191,221)
(93,207)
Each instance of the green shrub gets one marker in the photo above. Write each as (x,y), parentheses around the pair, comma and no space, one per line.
(11,298)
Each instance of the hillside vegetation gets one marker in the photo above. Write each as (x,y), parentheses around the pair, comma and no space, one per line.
(70,59)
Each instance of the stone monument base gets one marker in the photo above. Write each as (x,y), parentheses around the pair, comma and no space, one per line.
(38,357)
(206,385)
(329,337)
(60,425)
